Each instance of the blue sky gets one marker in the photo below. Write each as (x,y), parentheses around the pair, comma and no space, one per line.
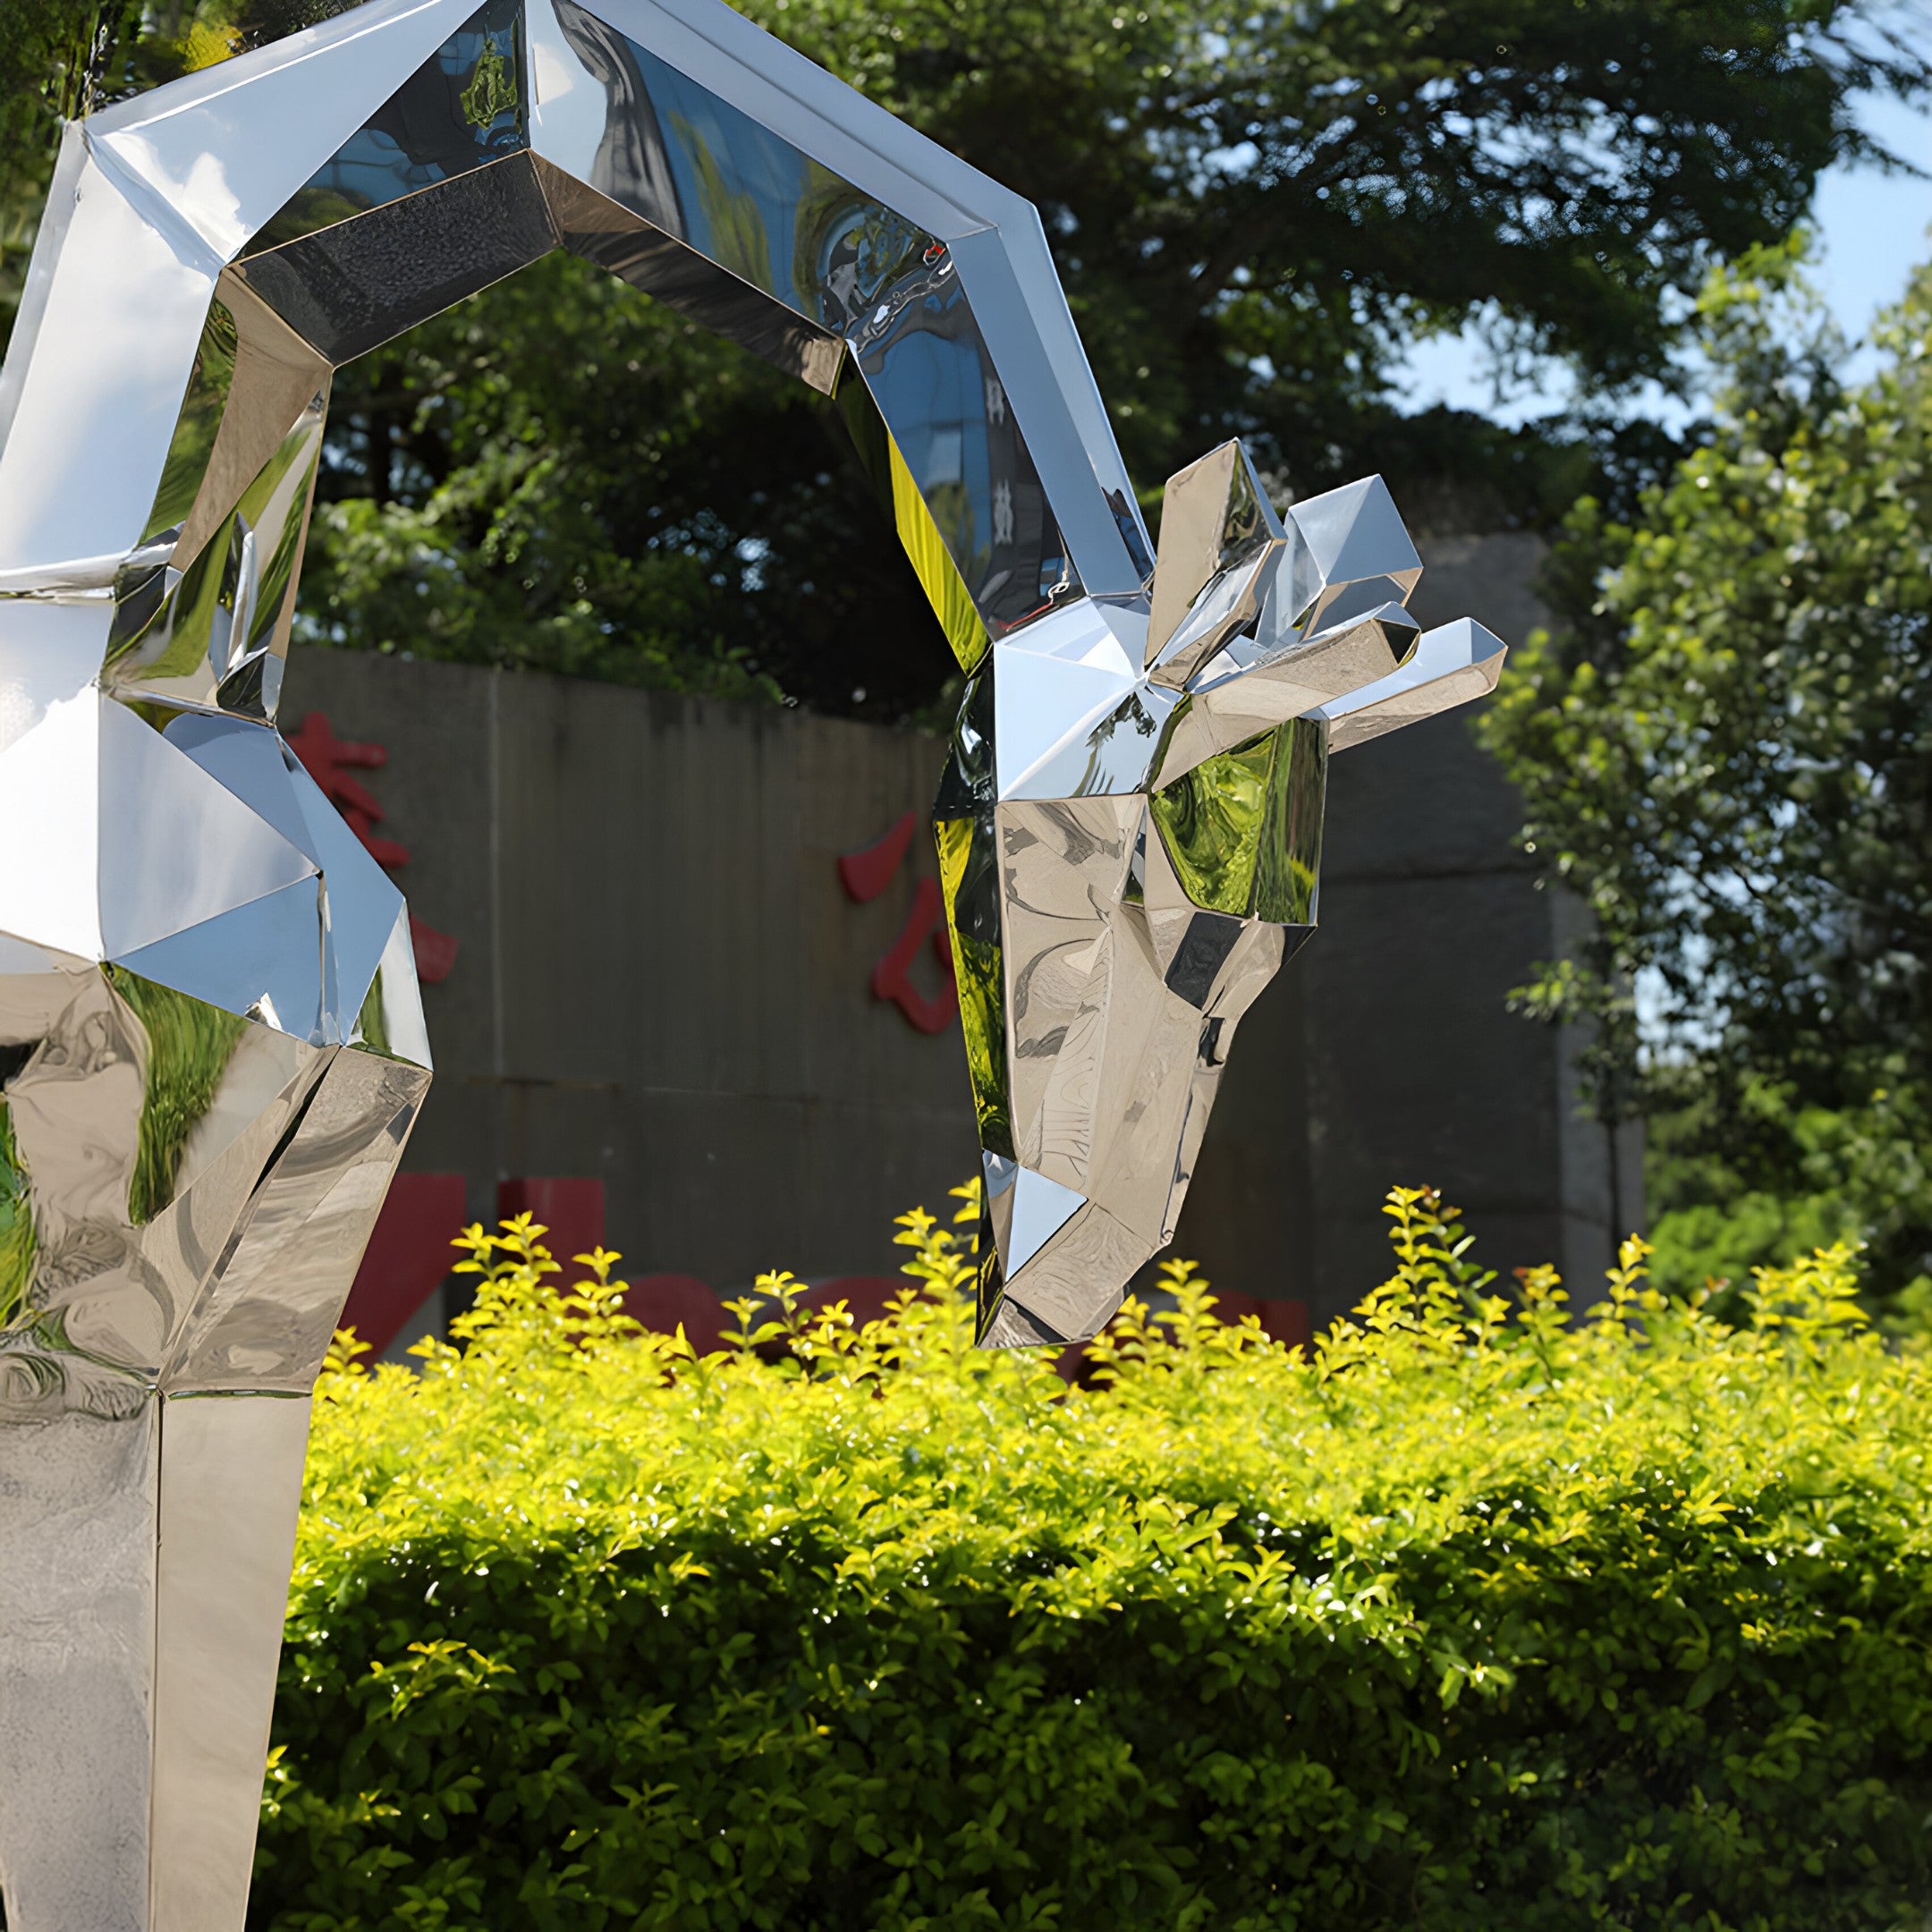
(1872,229)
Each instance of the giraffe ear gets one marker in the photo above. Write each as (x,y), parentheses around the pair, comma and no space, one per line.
(1221,541)
(1251,687)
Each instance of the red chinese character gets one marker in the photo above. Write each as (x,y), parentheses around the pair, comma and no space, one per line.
(328,760)
(865,875)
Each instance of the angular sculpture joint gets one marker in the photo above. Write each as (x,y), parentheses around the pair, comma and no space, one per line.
(211,1042)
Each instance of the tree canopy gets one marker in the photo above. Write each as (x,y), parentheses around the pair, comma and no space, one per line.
(1255,208)
(1728,751)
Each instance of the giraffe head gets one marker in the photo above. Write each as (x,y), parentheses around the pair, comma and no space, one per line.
(1129,839)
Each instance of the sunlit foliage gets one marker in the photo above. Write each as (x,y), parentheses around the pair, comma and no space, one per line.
(1482,1615)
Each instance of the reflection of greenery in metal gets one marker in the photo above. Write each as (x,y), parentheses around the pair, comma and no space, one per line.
(1243,829)
(372,1023)
(932,561)
(211,581)
(195,430)
(735,234)
(989,1282)
(16,1224)
(1210,822)
(207,584)
(968,879)
(491,88)
(189,1047)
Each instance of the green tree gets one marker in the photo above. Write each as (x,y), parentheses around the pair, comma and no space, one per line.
(1728,752)
(1255,208)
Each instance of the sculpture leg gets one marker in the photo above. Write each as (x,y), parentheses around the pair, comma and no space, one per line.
(146,1537)
(235,1432)
(79,1496)
(230,1493)
(141,1622)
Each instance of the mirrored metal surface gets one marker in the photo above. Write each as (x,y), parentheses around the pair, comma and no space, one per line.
(1242,830)
(1453,663)
(230,1484)
(79,1496)
(710,183)
(600,230)
(213,631)
(466,106)
(346,289)
(211,1040)
(1220,538)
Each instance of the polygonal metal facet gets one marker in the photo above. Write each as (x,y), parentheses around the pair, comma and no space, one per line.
(1358,554)
(1221,541)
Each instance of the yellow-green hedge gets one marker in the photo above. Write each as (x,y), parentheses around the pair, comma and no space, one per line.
(1477,1620)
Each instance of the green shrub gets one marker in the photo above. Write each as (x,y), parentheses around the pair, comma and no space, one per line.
(1484,1617)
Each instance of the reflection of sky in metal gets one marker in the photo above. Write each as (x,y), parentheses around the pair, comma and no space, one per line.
(931,389)
(373,169)
(750,200)
(568,105)
(743,190)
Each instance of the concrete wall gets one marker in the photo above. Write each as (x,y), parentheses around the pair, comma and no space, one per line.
(661,982)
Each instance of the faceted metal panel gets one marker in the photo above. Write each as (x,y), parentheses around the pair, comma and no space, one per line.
(602,231)
(347,288)
(1243,829)
(466,106)
(1130,830)
(211,1042)
(231,1479)
(79,1500)
(1219,537)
